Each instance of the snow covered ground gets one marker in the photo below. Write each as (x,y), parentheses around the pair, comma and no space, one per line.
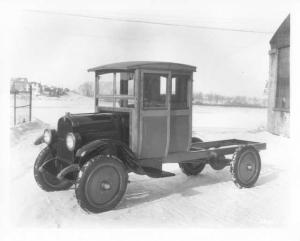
(207,200)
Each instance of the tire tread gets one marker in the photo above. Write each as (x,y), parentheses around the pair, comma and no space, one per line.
(233,165)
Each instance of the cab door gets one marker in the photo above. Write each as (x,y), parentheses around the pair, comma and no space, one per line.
(181,112)
(154,114)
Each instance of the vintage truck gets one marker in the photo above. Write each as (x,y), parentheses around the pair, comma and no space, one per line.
(142,120)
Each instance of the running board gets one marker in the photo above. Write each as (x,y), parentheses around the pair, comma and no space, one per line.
(157,173)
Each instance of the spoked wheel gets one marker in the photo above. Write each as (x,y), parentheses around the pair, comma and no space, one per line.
(245,166)
(101,184)
(192,168)
(47,181)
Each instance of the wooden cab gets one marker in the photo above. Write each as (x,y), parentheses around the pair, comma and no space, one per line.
(155,98)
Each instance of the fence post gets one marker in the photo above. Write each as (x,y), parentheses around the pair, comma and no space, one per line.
(15,108)
(30,102)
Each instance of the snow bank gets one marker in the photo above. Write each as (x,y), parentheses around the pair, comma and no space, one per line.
(20,130)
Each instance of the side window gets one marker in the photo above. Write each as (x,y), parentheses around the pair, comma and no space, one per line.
(118,93)
(179,93)
(155,88)
(124,84)
(125,87)
(105,87)
(106,84)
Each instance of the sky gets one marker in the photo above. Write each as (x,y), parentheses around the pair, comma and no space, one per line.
(50,47)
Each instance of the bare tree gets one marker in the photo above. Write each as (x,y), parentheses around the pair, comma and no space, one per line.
(87,89)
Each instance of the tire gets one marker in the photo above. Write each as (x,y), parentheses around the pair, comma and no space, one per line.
(45,180)
(101,184)
(245,166)
(192,169)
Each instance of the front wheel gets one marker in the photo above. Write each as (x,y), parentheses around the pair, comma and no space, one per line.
(101,184)
(47,181)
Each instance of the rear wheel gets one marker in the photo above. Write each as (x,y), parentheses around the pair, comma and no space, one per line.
(101,184)
(192,168)
(245,166)
(47,181)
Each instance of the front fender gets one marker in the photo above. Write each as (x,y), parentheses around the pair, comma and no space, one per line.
(109,147)
(86,150)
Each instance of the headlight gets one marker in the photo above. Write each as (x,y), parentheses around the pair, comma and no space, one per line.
(70,141)
(47,136)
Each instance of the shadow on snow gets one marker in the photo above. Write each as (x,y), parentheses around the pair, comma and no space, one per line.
(148,190)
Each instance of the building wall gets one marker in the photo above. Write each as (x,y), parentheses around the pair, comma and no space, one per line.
(278,119)
(278,94)
(279,124)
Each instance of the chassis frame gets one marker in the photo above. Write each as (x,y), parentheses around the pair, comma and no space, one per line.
(205,150)
(200,152)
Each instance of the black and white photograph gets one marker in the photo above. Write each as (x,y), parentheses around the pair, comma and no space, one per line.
(168,119)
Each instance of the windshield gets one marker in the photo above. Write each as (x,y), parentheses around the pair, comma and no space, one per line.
(116,90)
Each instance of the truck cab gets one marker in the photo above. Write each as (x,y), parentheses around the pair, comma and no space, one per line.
(155,100)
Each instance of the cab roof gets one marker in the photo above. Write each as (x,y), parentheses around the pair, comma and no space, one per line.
(133,65)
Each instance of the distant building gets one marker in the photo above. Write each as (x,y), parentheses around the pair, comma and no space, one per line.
(279,81)
(47,90)
(19,84)
(52,91)
(36,88)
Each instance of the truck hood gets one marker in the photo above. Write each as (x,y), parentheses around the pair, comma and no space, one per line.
(90,126)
